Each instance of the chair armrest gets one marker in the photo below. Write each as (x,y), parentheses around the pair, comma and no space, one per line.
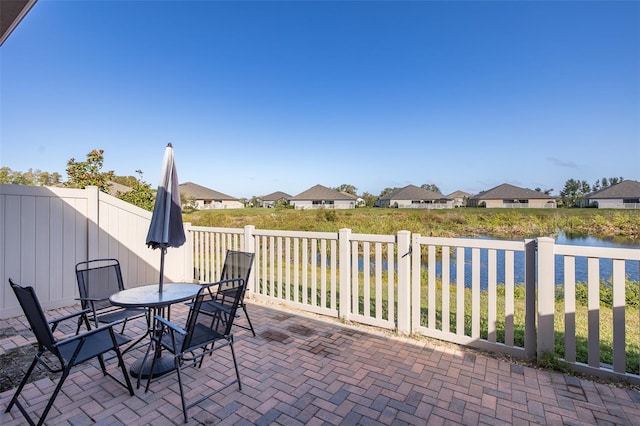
(89,299)
(54,322)
(170,325)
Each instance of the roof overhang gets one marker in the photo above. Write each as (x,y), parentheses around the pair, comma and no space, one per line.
(11,13)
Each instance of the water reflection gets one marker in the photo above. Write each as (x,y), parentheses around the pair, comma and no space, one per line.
(606,265)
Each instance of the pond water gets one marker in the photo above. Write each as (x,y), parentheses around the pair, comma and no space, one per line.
(606,265)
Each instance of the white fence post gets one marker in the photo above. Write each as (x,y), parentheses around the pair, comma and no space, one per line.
(416,283)
(404,282)
(188,265)
(546,295)
(344,246)
(250,247)
(530,333)
(93,222)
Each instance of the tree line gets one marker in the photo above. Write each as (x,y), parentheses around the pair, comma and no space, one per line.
(81,174)
(576,190)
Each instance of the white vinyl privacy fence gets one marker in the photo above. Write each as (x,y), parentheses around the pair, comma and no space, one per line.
(46,231)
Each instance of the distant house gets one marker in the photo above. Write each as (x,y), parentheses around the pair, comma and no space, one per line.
(275,199)
(624,195)
(459,198)
(206,198)
(321,197)
(414,197)
(510,196)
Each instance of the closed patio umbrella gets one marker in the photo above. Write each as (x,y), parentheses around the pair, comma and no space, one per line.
(166,228)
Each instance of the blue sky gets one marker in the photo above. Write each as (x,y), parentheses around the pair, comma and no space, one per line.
(258,97)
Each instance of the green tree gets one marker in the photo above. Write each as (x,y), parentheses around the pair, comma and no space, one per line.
(254,201)
(574,191)
(141,194)
(188,202)
(606,182)
(387,191)
(29,178)
(615,180)
(369,199)
(85,173)
(5,175)
(349,189)
(546,191)
(129,181)
(431,187)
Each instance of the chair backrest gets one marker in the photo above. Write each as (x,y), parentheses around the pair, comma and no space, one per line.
(35,315)
(237,264)
(219,320)
(98,279)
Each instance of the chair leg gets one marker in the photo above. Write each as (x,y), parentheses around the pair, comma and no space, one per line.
(235,363)
(244,308)
(184,402)
(156,355)
(144,360)
(124,370)
(65,373)
(103,367)
(21,385)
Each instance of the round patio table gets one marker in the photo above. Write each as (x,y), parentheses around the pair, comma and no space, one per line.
(149,296)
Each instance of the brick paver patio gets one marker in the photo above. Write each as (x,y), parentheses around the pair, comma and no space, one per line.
(302,369)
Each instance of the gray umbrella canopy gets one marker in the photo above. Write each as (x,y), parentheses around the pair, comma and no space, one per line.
(166,228)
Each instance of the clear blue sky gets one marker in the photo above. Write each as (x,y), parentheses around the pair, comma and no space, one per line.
(258,97)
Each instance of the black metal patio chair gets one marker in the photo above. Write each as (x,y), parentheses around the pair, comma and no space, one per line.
(237,264)
(97,280)
(61,355)
(204,333)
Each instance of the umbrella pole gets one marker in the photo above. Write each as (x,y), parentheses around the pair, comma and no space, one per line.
(163,250)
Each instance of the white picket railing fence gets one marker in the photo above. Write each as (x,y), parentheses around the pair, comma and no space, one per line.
(405,282)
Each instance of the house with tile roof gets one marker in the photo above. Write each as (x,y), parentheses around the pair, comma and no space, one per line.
(206,199)
(277,198)
(459,198)
(511,196)
(321,197)
(413,197)
(623,195)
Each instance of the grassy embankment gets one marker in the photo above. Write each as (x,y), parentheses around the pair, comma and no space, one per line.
(499,223)
(619,225)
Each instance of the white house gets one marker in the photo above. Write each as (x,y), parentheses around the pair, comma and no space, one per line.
(624,195)
(459,198)
(321,197)
(206,198)
(511,196)
(413,197)
(277,198)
